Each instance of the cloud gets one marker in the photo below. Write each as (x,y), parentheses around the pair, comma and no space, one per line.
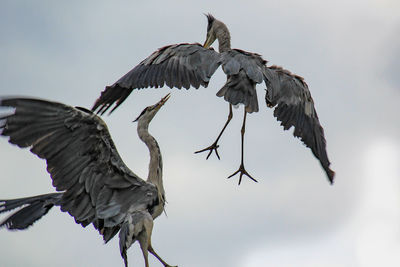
(69,52)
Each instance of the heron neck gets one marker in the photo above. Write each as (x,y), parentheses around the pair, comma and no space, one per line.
(155,165)
(224,39)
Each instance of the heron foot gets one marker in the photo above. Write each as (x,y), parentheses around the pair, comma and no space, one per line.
(213,147)
(242,171)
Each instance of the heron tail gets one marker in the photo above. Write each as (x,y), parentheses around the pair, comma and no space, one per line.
(30,210)
(124,242)
(239,89)
(138,225)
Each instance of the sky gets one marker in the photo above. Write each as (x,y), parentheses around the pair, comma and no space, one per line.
(348,53)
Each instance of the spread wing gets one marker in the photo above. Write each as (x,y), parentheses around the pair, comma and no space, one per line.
(294,106)
(244,70)
(179,65)
(81,159)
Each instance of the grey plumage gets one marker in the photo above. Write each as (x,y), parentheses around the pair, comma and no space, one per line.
(182,65)
(244,71)
(31,210)
(97,187)
(294,106)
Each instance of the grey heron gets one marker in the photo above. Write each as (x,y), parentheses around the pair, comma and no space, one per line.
(185,65)
(96,186)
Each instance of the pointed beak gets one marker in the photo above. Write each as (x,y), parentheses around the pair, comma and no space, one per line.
(163,100)
(155,107)
(208,42)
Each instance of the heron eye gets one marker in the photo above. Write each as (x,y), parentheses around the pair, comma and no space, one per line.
(151,108)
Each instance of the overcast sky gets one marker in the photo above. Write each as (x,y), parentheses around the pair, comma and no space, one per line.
(347,51)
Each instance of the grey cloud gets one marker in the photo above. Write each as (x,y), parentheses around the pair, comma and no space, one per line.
(69,52)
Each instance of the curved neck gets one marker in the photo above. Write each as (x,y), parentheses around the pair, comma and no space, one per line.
(155,165)
(224,39)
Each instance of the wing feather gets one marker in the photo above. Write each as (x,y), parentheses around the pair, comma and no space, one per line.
(81,158)
(153,79)
(168,69)
(171,65)
(294,106)
(178,72)
(185,73)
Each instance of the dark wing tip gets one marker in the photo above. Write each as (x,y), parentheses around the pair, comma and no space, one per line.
(331,174)
(114,94)
(290,96)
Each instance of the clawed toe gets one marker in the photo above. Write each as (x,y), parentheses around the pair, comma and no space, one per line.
(213,147)
(242,171)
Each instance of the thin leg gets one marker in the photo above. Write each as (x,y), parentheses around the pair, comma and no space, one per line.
(145,255)
(151,250)
(241,169)
(215,145)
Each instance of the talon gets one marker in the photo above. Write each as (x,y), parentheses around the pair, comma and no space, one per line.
(213,147)
(242,171)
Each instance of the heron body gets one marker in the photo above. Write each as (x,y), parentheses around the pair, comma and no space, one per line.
(96,187)
(185,65)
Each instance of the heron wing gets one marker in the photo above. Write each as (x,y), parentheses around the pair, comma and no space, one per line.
(294,106)
(244,71)
(178,65)
(82,161)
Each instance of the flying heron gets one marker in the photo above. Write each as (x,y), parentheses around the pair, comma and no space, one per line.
(96,186)
(185,65)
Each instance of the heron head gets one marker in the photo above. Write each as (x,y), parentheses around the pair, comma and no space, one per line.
(149,112)
(211,31)
(216,29)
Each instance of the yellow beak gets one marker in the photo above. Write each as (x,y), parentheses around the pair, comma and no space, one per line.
(208,42)
(163,100)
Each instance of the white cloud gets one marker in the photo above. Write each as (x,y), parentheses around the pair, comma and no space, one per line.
(378,233)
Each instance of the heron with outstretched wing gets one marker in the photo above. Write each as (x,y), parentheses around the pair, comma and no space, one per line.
(185,65)
(96,186)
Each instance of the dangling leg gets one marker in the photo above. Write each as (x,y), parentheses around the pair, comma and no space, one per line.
(241,169)
(151,250)
(144,244)
(215,146)
(146,259)
(145,254)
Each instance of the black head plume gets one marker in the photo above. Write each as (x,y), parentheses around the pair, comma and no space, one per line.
(211,20)
(141,114)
